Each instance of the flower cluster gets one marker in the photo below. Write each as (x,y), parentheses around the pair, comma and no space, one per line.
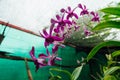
(61,28)
(41,60)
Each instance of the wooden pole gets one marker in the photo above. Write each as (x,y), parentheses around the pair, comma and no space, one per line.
(27,31)
(28,70)
(18,28)
(13,57)
(4,56)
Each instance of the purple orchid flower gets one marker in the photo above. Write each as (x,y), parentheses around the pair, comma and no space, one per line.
(57,30)
(39,62)
(55,48)
(70,12)
(86,32)
(95,17)
(56,45)
(76,28)
(84,10)
(68,33)
(61,23)
(51,58)
(49,38)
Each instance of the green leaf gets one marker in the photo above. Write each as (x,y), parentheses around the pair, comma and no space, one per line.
(111,70)
(76,72)
(99,46)
(110,77)
(55,78)
(63,71)
(112,10)
(107,24)
(116,53)
(109,17)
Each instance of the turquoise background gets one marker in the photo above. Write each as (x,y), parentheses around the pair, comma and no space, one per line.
(19,43)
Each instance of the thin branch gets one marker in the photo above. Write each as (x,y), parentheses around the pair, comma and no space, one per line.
(14,57)
(28,70)
(4,56)
(18,28)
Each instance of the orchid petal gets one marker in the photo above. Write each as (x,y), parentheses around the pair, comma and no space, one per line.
(62,28)
(62,10)
(84,7)
(32,54)
(80,6)
(96,14)
(84,12)
(86,32)
(75,15)
(55,48)
(58,17)
(37,66)
(45,32)
(68,16)
(68,22)
(92,13)
(95,17)
(47,52)
(57,38)
(39,63)
(46,44)
(53,21)
(43,56)
(62,17)
(51,29)
(56,30)
(51,62)
(69,8)
(40,60)
(58,58)
(42,35)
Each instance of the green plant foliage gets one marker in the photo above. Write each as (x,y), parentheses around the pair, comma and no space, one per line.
(107,24)
(99,46)
(78,38)
(111,70)
(109,77)
(76,72)
(61,71)
(112,10)
(55,78)
(109,73)
(116,53)
(110,18)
